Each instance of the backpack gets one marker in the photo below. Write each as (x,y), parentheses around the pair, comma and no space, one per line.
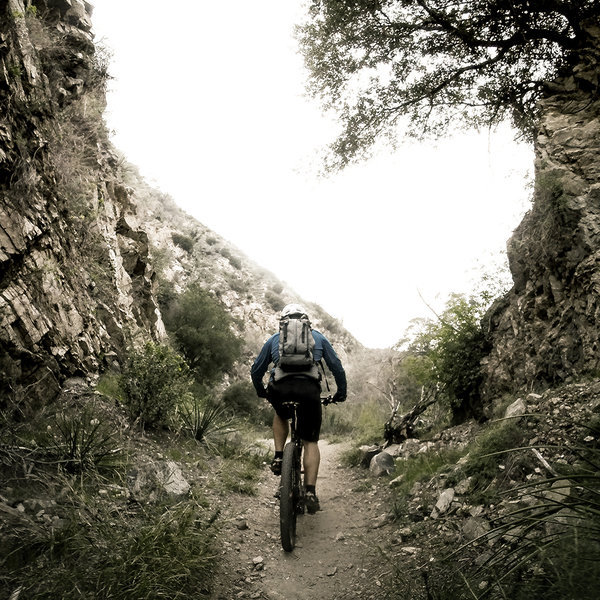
(296,344)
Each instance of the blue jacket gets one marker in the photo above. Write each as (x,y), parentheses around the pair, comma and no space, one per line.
(322,350)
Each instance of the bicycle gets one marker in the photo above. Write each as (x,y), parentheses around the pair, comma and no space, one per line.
(291,490)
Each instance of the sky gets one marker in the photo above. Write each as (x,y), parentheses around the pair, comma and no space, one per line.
(208,100)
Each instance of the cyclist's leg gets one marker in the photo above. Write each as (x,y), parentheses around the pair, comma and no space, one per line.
(276,395)
(312,459)
(281,428)
(309,428)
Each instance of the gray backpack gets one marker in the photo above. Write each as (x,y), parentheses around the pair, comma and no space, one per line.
(296,345)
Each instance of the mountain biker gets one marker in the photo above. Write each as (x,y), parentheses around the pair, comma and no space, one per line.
(304,387)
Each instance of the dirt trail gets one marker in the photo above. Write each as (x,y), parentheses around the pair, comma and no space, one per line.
(336,556)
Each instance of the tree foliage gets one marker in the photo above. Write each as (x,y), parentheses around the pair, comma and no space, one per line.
(447,353)
(203,331)
(437,62)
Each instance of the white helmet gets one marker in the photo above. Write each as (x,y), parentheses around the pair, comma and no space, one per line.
(292,309)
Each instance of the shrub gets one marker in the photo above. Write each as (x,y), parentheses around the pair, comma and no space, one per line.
(110,385)
(447,354)
(203,332)
(154,380)
(183,241)
(240,400)
(492,448)
(548,546)
(275,301)
(234,261)
(142,553)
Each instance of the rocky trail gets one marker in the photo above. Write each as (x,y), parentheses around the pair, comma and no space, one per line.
(340,550)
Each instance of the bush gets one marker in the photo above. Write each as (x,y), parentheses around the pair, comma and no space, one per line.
(275,301)
(240,400)
(447,354)
(234,261)
(154,380)
(547,546)
(201,417)
(203,332)
(492,448)
(183,241)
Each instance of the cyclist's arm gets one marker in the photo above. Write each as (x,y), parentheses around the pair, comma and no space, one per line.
(335,366)
(260,366)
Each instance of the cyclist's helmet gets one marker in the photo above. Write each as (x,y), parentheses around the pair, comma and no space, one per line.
(292,309)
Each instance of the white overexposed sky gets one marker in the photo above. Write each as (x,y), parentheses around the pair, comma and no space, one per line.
(208,101)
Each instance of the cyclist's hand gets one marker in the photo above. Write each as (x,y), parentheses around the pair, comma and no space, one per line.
(337,397)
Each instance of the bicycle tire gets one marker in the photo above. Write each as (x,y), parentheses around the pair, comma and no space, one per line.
(289,497)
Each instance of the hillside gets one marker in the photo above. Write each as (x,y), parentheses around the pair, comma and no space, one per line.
(87,247)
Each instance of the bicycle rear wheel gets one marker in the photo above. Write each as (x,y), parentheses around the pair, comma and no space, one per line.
(288,501)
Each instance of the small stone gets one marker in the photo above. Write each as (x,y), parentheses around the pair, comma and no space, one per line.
(443,503)
(241,524)
(332,572)
(396,481)
(258,560)
(516,409)
(409,549)
(475,527)
(340,537)
(381,520)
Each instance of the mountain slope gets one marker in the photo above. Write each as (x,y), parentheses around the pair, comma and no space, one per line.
(87,249)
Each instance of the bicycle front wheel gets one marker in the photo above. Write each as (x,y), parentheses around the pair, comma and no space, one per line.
(288,500)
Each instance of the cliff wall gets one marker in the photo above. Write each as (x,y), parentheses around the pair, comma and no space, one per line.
(75,281)
(547,329)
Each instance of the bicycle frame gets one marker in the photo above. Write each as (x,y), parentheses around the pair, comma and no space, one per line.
(291,491)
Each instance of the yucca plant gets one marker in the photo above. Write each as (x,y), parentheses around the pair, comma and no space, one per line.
(202,416)
(78,442)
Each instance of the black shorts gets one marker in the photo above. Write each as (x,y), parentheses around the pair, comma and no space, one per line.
(307,392)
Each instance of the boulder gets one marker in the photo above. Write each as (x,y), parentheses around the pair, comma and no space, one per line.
(368,452)
(381,464)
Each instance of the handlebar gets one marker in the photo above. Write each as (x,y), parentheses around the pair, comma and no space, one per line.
(325,400)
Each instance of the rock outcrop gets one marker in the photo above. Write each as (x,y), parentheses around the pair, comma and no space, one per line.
(75,281)
(546,330)
(87,248)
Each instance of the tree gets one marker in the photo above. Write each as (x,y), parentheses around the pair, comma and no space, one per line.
(203,332)
(447,352)
(439,63)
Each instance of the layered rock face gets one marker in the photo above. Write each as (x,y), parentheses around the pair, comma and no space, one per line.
(75,282)
(547,329)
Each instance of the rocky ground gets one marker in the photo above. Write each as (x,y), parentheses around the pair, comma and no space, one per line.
(382,532)
(340,551)
(371,541)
